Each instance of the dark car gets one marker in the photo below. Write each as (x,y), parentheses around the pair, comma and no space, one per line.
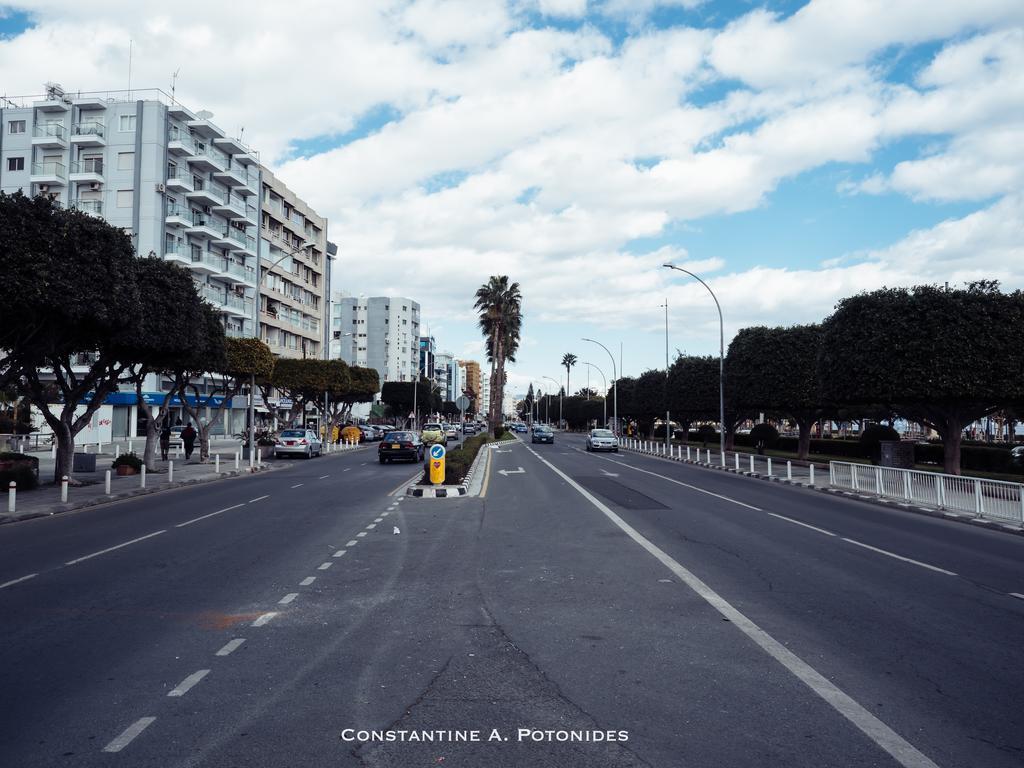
(1017,456)
(400,445)
(469,428)
(542,434)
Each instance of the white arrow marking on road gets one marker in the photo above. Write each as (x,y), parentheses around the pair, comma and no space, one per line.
(507,472)
(609,474)
(396,531)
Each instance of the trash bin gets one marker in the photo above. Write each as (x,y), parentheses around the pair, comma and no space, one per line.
(83,462)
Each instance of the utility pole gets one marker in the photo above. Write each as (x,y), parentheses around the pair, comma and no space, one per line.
(668,420)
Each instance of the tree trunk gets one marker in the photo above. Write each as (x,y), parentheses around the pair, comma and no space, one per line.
(952,433)
(804,445)
(730,437)
(65,450)
(152,438)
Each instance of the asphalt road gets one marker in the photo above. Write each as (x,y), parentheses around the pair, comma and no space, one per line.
(652,614)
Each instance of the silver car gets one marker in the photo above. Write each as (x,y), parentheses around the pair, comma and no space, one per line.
(298,442)
(602,440)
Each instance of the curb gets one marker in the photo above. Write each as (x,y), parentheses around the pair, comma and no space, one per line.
(944,514)
(454,491)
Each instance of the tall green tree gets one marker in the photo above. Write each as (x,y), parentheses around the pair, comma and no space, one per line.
(940,357)
(304,381)
(693,390)
(71,295)
(775,371)
(568,361)
(500,317)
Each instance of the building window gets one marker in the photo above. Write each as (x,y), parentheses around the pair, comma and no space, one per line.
(124,198)
(16,126)
(126,161)
(126,123)
(15,163)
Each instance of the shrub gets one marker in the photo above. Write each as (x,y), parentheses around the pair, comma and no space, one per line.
(22,469)
(499,430)
(127,460)
(871,438)
(764,435)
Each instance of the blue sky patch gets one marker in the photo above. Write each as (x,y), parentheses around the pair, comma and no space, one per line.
(13,23)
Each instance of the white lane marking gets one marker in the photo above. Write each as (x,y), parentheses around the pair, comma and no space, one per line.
(324,566)
(308,580)
(188,682)
(116,546)
(899,557)
(288,598)
(346,469)
(371,526)
(259,498)
(361,534)
(677,482)
(805,525)
(232,645)
(1017,595)
(378,519)
(905,753)
(203,517)
(264,619)
(363,464)
(339,553)
(352,543)
(385,514)
(324,477)
(18,581)
(297,485)
(129,734)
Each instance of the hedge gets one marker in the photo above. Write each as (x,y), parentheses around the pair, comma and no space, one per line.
(22,469)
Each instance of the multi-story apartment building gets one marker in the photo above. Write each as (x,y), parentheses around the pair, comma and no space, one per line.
(471,383)
(485,392)
(428,351)
(446,374)
(177,184)
(380,332)
(294,269)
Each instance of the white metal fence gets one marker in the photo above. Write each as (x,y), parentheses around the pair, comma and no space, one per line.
(992,499)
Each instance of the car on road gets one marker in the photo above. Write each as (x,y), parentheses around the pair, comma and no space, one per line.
(433,433)
(298,442)
(519,427)
(542,434)
(1017,456)
(469,428)
(602,440)
(369,434)
(396,446)
(451,432)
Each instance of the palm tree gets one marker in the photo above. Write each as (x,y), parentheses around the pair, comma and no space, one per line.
(568,361)
(499,304)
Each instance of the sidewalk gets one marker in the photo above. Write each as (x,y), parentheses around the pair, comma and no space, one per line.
(45,500)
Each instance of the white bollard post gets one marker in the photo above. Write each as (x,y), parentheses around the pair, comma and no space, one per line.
(170,471)
(769,466)
(751,463)
(737,461)
(216,463)
(130,449)
(53,451)
(99,447)
(236,459)
(688,453)
(106,482)
(789,470)
(812,475)
(142,477)
(12,496)
(85,447)
(723,458)
(177,451)
(64,489)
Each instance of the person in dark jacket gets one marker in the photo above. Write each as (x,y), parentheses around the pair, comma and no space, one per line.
(188,439)
(165,440)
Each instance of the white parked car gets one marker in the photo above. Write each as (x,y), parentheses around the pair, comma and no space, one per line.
(602,440)
(298,442)
(451,431)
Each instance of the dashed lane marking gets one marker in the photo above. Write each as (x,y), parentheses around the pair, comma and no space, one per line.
(378,519)
(352,543)
(308,580)
(129,734)
(361,534)
(259,498)
(805,525)
(189,682)
(12,582)
(288,598)
(324,566)
(1018,595)
(324,477)
(264,619)
(899,557)
(346,469)
(385,514)
(203,517)
(339,553)
(232,645)
(371,526)
(111,549)
(297,485)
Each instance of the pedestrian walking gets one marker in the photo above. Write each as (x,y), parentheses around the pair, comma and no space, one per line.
(165,440)
(188,439)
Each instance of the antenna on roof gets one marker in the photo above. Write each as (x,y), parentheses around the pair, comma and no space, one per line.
(174,82)
(130,46)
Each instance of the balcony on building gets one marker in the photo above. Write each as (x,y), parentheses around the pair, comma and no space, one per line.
(239,242)
(252,182)
(180,142)
(49,136)
(179,253)
(233,207)
(179,178)
(200,124)
(207,192)
(53,105)
(90,170)
(208,158)
(92,207)
(204,225)
(207,263)
(49,172)
(178,215)
(179,112)
(89,101)
(240,329)
(240,273)
(88,134)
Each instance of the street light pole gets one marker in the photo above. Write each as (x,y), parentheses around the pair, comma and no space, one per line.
(615,385)
(559,399)
(721,357)
(604,399)
(668,419)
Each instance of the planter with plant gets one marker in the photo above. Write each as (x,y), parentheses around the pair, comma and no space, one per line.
(127,464)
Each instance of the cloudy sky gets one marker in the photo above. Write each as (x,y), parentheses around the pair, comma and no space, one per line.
(790,153)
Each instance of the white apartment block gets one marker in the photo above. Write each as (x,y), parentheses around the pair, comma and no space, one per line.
(485,391)
(295,262)
(381,332)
